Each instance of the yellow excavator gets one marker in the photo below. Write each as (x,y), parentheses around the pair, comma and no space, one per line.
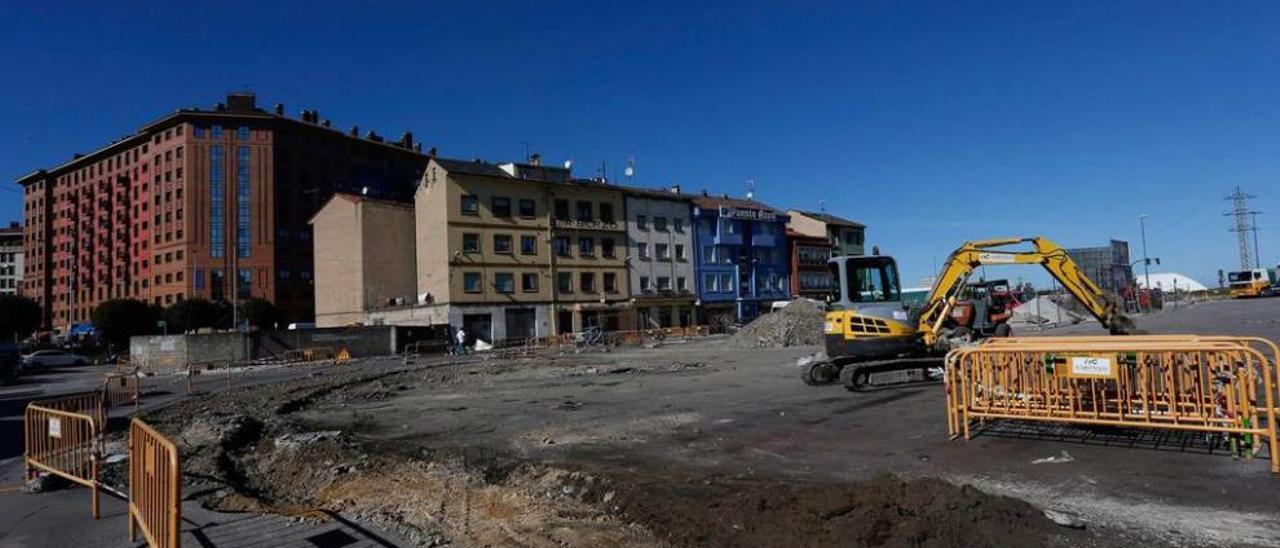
(874,339)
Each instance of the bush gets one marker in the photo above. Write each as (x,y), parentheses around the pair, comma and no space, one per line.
(119,319)
(193,314)
(19,317)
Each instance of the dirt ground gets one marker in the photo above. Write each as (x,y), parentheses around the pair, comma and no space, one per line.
(699,444)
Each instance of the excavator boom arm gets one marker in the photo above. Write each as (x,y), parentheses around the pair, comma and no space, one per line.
(962,262)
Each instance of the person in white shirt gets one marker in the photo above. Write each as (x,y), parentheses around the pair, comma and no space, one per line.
(461,339)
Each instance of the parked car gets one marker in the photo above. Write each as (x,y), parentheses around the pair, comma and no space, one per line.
(52,358)
(10,363)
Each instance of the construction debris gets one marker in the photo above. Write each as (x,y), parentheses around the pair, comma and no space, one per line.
(1043,311)
(798,324)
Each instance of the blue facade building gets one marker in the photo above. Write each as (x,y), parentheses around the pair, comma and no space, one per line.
(742,261)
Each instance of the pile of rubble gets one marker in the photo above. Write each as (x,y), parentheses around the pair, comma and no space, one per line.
(798,324)
(1044,311)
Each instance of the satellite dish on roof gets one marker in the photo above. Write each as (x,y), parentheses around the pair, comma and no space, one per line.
(568,164)
(630,171)
(364,191)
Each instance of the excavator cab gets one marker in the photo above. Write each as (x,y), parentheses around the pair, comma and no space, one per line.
(866,317)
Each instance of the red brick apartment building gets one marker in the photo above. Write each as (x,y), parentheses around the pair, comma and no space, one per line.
(200,203)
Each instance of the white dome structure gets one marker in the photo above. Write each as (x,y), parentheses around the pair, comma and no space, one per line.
(1167,281)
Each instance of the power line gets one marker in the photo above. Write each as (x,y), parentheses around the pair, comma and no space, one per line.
(1244,224)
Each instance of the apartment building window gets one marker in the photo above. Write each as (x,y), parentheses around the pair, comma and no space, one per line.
(470,205)
(502,244)
(529,282)
(527,208)
(177,153)
(217,212)
(586,247)
(587,281)
(726,283)
(528,245)
(606,247)
(642,249)
(196,132)
(242,133)
(215,132)
(610,282)
(680,256)
(242,201)
(470,242)
(677,224)
(642,222)
(244,284)
(728,226)
(584,212)
(606,213)
(562,210)
(662,251)
(500,206)
(660,224)
(199,279)
(564,282)
(681,286)
(504,282)
(561,244)
(645,286)
(664,283)
(471,282)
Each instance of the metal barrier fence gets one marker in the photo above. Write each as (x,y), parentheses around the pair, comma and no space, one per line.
(1188,383)
(155,487)
(64,444)
(88,403)
(310,354)
(121,389)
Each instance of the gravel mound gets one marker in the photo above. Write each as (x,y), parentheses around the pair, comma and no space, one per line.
(799,324)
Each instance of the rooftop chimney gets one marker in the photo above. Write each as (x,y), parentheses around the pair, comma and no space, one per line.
(15,224)
(325,123)
(355,131)
(406,140)
(242,102)
(280,109)
(431,152)
(535,159)
(675,189)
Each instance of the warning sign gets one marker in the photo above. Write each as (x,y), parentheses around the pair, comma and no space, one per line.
(55,428)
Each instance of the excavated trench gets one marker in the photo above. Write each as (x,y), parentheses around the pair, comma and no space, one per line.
(247,451)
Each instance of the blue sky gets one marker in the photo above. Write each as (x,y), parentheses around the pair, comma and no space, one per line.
(931,122)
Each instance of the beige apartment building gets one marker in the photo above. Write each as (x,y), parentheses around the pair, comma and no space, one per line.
(364,258)
(846,237)
(516,250)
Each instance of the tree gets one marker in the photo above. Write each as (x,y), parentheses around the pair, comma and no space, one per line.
(19,317)
(192,314)
(260,313)
(119,319)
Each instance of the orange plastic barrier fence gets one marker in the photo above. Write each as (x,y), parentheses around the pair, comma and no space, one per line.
(64,444)
(155,487)
(1216,385)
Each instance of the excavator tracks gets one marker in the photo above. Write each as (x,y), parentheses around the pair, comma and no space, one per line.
(858,376)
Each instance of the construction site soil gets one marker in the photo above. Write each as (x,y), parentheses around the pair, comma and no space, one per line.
(685,445)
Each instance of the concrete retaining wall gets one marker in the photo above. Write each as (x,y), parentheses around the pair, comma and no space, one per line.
(173,352)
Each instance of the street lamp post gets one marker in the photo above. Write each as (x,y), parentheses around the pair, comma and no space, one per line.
(1146,263)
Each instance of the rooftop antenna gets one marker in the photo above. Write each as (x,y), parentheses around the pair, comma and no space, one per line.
(822,206)
(630,170)
(568,164)
(751,189)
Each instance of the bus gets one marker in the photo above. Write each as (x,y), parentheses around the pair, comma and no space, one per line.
(1258,282)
